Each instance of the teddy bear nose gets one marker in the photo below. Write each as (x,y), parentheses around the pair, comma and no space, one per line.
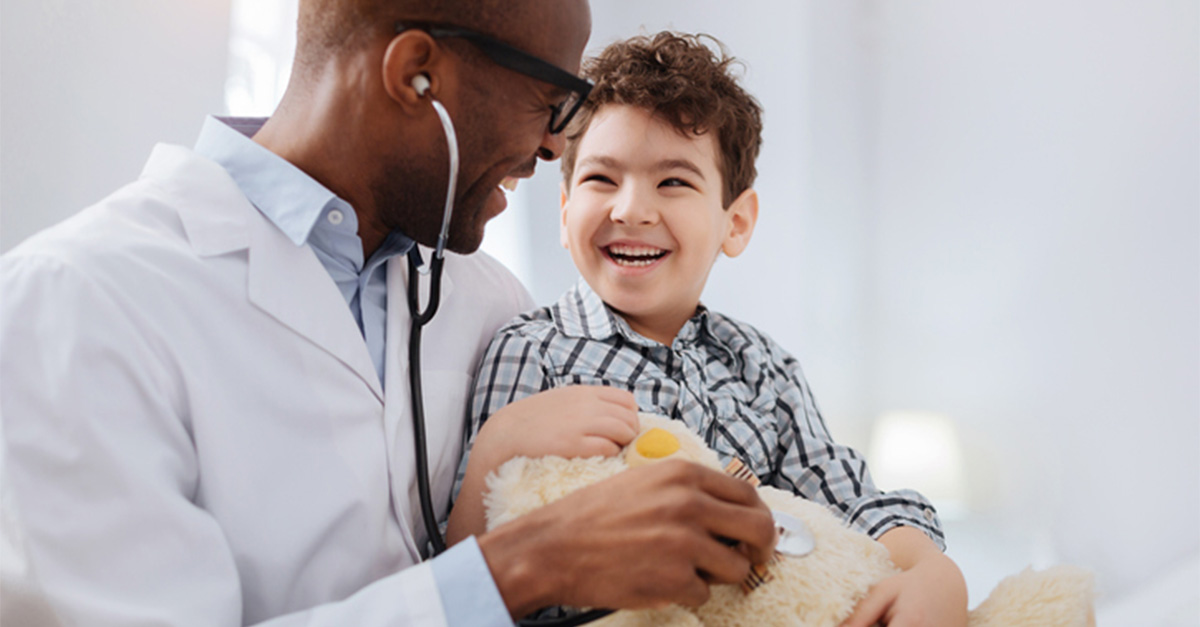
(656,444)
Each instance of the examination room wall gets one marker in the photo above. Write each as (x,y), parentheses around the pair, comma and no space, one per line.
(985,211)
(87,88)
(989,212)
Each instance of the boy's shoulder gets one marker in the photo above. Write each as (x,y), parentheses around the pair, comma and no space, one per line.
(747,340)
(533,323)
(546,333)
(730,330)
(578,313)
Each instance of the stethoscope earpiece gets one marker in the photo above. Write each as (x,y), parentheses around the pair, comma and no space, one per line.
(420,83)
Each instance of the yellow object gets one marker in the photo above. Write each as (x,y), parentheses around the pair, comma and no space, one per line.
(657,443)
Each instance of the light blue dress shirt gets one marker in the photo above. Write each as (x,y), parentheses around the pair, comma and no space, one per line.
(309,213)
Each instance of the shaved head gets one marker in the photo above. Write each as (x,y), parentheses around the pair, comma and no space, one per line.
(330,28)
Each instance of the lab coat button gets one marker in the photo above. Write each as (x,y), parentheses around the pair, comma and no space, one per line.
(336,217)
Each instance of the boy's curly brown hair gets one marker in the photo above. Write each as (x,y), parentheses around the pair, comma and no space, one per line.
(684,82)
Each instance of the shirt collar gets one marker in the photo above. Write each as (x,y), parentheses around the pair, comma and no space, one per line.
(291,199)
(582,314)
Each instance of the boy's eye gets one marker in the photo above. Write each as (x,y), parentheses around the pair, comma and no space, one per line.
(598,178)
(674,182)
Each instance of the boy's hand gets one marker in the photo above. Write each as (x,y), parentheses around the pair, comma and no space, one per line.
(930,590)
(572,421)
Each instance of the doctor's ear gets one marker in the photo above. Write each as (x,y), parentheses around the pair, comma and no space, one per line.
(742,215)
(411,66)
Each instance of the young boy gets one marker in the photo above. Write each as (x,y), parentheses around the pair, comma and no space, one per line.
(657,184)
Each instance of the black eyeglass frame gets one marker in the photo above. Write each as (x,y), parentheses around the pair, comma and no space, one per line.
(518,61)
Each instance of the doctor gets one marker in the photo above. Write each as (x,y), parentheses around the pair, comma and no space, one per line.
(202,377)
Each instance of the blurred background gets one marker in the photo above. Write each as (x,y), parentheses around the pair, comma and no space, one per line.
(980,234)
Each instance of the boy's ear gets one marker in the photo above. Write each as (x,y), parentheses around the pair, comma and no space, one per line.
(562,204)
(743,214)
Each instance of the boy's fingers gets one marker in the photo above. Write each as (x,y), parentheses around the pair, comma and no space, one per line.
(616,396)
(870,611)
(612,402)
(617,431)
(599,446)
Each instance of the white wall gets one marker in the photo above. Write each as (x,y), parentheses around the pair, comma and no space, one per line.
(1037,220)
(87,88)
(990,211)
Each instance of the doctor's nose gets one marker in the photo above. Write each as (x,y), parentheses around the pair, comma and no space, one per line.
(552,146)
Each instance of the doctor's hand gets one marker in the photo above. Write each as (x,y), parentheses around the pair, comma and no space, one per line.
(572,421)
(646,537)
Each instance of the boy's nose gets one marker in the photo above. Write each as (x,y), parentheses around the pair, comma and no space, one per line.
(630,210)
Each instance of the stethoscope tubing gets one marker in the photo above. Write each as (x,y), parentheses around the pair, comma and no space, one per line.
(419,320)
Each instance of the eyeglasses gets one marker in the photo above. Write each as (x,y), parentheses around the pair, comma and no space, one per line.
(516,60)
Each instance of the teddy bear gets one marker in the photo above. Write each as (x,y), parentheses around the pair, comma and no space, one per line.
(827,567)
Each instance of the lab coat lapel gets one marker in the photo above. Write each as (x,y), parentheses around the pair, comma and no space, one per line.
(289,283)
(214,212)
(398,417)
(286,281)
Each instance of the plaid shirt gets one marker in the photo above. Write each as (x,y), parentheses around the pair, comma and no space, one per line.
(724,379)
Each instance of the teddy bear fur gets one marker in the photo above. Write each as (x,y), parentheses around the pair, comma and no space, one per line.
(818,590)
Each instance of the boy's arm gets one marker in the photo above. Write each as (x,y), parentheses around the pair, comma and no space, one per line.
(930,590)
(516,410)
(813,465)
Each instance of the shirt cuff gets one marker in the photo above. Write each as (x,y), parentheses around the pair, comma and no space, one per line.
(469,594)
(875,515)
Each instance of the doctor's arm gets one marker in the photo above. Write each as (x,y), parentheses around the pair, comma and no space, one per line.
(100,478)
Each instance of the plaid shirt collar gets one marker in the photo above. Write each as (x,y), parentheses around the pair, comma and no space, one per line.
(582,314)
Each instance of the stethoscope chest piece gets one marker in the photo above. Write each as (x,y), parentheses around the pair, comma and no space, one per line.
(795,538)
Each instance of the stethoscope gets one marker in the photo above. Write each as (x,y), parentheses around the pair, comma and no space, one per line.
(421,318)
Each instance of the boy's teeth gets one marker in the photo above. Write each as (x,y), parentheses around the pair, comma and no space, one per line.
(509,183)
(635,256)
(635,251)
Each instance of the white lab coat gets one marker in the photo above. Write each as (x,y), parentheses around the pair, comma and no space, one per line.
(194,433)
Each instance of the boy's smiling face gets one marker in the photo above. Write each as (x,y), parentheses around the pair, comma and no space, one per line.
(642,217)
